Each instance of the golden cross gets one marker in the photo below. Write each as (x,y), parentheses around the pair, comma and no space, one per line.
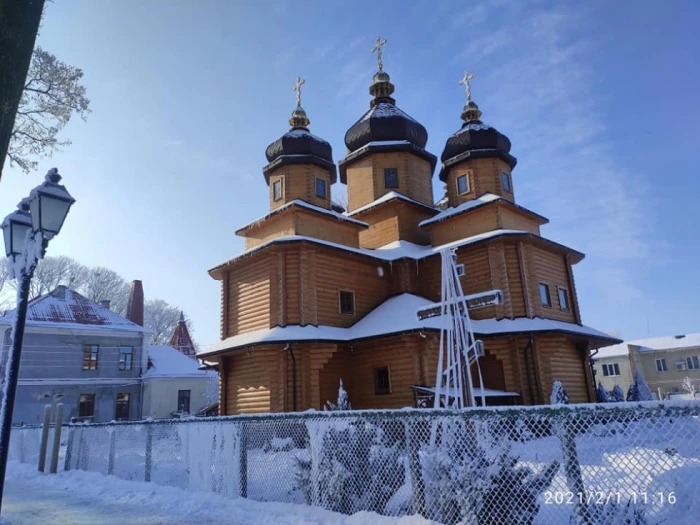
(465,82)
(378,48)
(297,88)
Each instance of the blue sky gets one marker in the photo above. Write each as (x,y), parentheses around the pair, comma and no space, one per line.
(599,101)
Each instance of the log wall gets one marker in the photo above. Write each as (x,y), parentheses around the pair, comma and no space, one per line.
(485,176)
(299,182)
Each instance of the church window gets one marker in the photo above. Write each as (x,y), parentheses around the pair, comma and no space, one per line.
(505,181)
(277,190)
(563,298)
(321,188)
(463,184)
(544,295)
(347,302)
(382,382)
(391,178)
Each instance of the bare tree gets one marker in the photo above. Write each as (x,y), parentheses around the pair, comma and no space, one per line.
(162,318)
(52,272)
(102,284)
(52,95)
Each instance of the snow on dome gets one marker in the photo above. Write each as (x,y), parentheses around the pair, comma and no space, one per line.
(385,109)
(385,122)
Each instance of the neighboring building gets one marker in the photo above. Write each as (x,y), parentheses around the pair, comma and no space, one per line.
(663,361)
(174,384)
(81,354)
(319,295)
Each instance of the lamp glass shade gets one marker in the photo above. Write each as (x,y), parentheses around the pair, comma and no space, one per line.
(48,212)
(19,237)
(14,229)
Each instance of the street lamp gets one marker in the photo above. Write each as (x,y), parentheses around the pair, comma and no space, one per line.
(27,233)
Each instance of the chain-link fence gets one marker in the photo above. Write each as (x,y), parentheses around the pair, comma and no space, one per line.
(615,463)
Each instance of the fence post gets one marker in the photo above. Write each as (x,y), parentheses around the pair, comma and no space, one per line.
(112,451)
(149,450)
(417,484)
(572,467)
(69,448)
(243,461)
(56,439)
(44,437)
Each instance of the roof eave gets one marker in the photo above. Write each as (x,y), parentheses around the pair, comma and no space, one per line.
(285,160)
(476,154)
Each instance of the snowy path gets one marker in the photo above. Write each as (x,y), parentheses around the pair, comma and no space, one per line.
(87,498)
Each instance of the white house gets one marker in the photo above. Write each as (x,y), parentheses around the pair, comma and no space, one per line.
(175,385)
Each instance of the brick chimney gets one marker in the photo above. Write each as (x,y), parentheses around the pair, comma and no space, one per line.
(134,309)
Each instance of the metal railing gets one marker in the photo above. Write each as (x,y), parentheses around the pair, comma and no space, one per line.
(615,463)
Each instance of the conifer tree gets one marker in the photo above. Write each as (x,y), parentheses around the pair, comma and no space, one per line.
(343,400)
(559,395)
(603,394)
(617,395)
(643,391)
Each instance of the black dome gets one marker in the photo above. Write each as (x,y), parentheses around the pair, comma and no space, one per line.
(385,122)
(299,141)
(475,135)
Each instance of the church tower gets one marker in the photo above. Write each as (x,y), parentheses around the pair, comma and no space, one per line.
(300,164)
(476,159)
(387,170)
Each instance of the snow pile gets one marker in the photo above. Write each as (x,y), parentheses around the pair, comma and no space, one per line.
(76,497)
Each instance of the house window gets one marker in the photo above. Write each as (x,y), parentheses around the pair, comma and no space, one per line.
(611,370)
(183,401)
(545,297)
(126,357)
(391,178)
(382,382)
(123,406)
(277,190)
(86,405)
(661,365)
(90,355)
(505,181)
(347,302)
(463,184)
(693,362)
(563,298)
(460,270)
(321,188)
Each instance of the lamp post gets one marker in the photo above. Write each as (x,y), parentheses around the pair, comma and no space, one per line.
(27,233)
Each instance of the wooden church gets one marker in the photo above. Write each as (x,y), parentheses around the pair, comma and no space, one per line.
(321,293)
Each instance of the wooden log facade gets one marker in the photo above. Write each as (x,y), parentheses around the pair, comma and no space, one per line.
(305,305)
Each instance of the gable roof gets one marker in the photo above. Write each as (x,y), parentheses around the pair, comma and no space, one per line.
(181,339)
(297,203)
(170,362)
(390,196)
(396,315)
(480,201)
(66,308)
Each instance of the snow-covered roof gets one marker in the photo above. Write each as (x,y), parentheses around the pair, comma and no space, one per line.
(66,308)
(385,110)
(470,205)
(170,362)
(395,315)
(389,252)
(303,204)
(386,198)
(652,344)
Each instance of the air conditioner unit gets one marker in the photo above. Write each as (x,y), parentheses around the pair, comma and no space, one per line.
(680,365)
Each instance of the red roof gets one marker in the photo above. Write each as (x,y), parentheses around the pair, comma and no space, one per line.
(181,338)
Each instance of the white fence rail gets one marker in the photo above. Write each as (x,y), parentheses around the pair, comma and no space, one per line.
(616,463)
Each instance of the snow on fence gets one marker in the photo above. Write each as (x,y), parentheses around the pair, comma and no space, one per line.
(590,464)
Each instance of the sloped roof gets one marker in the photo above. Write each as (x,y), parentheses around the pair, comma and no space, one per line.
(390,196)
(66,308)
(170,362)
(181,339)
(651,344)
(395,315)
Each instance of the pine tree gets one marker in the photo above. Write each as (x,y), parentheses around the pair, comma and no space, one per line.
(632,393)
(603,394)
(559,395)
(343,400)
(617,395)
(643,391)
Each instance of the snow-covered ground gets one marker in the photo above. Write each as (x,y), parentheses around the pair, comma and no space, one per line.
(88,498)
